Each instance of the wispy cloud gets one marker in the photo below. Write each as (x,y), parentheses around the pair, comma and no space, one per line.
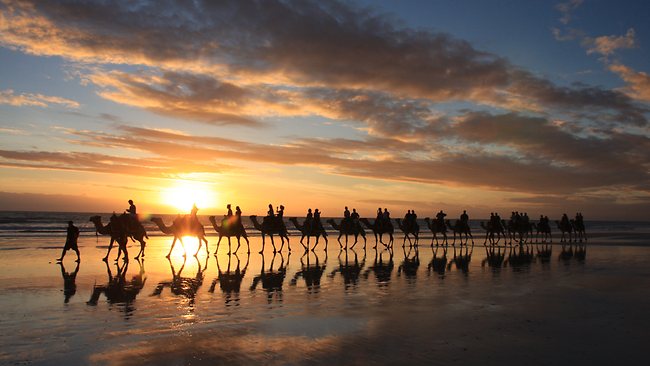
(607,45)
(10,97)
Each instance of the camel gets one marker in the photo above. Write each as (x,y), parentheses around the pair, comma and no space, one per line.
(543,232)
(310,272)
(382,270)
(269,228)
(462,260)
(565,229)
(118,233)
(579,230)
(379,229)
(410,264)
(494,257)
(183,226)
(490,230)
(317,231)
(135,232)
(460,229)
(117,289)
(348,229)
(413,229)
(436,227)
(520,258)
(229,228)
(438,264)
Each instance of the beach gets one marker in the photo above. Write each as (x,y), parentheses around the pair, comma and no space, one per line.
(337,306)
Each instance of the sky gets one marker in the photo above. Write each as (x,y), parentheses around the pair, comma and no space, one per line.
(537,106)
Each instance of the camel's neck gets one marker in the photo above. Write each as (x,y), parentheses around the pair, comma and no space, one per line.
(399,224)
(216,227)
(164,228)
(296,223)
(104,230)
(334,225)
(256,224)
(366,222)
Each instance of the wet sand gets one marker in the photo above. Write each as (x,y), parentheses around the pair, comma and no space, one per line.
(323,308)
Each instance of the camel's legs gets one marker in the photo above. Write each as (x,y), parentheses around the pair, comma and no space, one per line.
(172,248)
(263,240)
(110,246)
(218,242)
(238,244)
(229,246)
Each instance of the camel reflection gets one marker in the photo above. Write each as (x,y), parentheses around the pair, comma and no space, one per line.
(569,252)
(272,280)
(310,272)
(382,270)
(410,264)
(494,256)
(69,285)
(118,290)
(462,259)
(186,287)
(520,257)
(230,280)
(544,253)
(439,262)
(349,271)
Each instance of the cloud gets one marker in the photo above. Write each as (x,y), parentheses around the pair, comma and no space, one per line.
(8,96)
(607,45)
(566,9)
(638,81)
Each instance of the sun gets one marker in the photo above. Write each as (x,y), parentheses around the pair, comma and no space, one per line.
(185,193)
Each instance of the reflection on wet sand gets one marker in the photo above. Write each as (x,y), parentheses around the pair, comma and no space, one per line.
(310,272)
(349,271)
(230,280)
(272,279)
(494,257)
(520,257)
(382,270)
(571,252)
(183,286)
(410,264)
(439,261)
(69,282)
(118,290)
(462,259)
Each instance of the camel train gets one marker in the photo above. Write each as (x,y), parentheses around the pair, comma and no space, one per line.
(518,230)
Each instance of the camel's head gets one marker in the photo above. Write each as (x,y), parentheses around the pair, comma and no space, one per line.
(155,219)
(212,219)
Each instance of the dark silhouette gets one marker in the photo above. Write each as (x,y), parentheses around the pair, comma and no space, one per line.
(520,257)
(71,238)
(308,229)
(271,225)
(463,259)
(310,272)
(116,229)
(379,228)
(438,263)
(231,225)
(183,286)
(410,264)
(69,284)
(493,227)
(543,230)
(272,279)
(579,227)
(409,227)
(349,271)
(437,227)
(124,226)
(183,226)
(230,280)
(544,252)
(382,270)
(461,229)
(494,256)
(347,227)
(566,228)
(118,290)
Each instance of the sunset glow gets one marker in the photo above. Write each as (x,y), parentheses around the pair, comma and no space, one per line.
(184,194)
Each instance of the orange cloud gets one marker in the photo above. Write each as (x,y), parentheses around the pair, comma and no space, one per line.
(9,97)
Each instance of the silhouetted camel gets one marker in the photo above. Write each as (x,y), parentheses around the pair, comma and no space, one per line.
(349,272)
(116,229)
(347,227)
(491,229)
(117,290)
(230,280)
(270,227)
(230,227)
(310,272)
(438,263)
(579,230)
(134,230)
(183,226)
(459,228)
(436,228)
(272,280)
(316,230)
(183,286)
(410,264)
(566,229)
(379,229)
(543,232)
(382,270)
(413,229)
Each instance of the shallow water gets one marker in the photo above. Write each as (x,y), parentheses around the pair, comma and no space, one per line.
(350,306)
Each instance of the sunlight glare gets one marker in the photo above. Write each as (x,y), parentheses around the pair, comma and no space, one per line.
(183,194)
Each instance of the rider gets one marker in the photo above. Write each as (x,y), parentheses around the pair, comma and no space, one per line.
(229,214)
(386,216)
(270,213)
(309,219)
(355,218)
(464,219)
(132,210)
(133,215)
(316,222)
(193,218)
